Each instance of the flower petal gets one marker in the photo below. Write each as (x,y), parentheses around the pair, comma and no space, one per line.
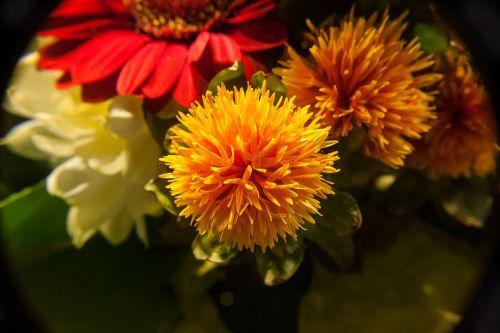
(140,67)
(190,86)
(87,7)
(251,66)
(105,54)
(118,228)
(19,140)
(258,35)
(123,118)
(224,49)
(198,46)
(168,70)
(59,55)
(253,11)
(72,28)
(98,91)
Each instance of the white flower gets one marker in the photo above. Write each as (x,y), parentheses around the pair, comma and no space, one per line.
(104,153)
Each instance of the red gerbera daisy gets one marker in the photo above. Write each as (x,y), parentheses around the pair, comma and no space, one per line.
(155,48)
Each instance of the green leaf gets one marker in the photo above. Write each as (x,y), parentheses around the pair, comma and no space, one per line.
(353,142)
(159,124)
(332,231)
(469,202)
(278,264)
(33,221)
(341,213)
(273,83)
(163,195)
(208,247)
(233,76)
(432,38)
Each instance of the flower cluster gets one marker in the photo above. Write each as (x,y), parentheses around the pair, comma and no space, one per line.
(250,164)
(365,74)
(103,154)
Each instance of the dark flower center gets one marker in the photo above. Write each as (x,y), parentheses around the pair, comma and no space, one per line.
(179,19)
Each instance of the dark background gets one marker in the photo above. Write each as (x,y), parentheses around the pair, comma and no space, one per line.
(479,25)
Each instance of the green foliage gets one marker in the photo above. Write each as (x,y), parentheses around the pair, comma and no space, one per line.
(163,195)
(278,264)
(341,217)
(208,247)
(432,38)
(159,125)
(233,76)
(273,84)
(33,222)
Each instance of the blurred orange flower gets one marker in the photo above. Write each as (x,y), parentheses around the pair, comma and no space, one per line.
(462,141)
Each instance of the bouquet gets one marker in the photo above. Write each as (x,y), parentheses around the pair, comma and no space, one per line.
(201,161)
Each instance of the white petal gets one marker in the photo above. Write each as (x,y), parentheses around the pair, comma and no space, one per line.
(67,181)
(118,228)
(96,197)
(19,140)
(32,91)
(125,117)
(78,235)
(53,145)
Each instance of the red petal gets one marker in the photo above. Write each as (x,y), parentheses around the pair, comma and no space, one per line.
(253,11)
(224,49)
(105,54)
(65,81)
(156,104)
(198,46)
(258,35)
(101,90)
(80,7)
(190,86)
(59,55)
(89,7)
(71,29)
(139,67)
(169,67)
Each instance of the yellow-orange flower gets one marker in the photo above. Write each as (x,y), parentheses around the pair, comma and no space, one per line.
(462,141)
(247,168)
(364,74)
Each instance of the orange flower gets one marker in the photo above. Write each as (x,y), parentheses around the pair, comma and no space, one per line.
(364,74)
(462,141)
(248,169)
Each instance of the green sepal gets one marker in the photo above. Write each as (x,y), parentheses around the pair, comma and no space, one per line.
(208,247)
(278,264)
(163,195)
(233,76)
(431,37)
(273,83)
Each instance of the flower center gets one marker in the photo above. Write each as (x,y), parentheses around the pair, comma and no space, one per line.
(179,19)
